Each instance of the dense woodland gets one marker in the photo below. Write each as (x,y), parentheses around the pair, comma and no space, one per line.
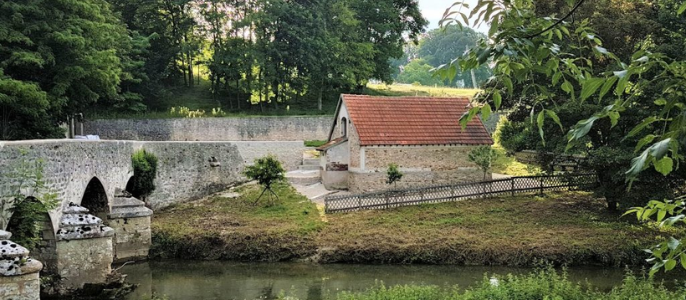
(62,57)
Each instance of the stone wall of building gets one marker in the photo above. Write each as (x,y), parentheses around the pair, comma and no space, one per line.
(186,170)
(421,165)
(213,129)
(436,158)
(363,182)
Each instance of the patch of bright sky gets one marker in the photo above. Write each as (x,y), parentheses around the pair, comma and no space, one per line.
(433,11)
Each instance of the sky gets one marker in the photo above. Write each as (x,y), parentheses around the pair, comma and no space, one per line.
(433,11)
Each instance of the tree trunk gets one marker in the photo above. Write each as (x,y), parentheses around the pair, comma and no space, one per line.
(321,93)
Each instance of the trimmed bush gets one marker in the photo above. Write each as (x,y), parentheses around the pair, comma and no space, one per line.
(144,173)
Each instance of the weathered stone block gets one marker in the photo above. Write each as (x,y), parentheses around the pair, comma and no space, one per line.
(84,261)
(132,238)
(20,287)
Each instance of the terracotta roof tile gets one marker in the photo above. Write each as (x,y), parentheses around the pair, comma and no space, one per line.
(413,121)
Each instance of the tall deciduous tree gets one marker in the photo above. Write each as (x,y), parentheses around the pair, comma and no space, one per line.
(57,58)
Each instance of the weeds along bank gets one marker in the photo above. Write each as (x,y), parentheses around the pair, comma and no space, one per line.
(571,228)
(543,284)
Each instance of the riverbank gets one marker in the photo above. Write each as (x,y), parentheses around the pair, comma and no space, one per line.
(564,228)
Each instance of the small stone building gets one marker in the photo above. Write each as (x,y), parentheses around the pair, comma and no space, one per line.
(421,135)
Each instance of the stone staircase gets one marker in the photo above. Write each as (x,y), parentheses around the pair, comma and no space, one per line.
(308,172)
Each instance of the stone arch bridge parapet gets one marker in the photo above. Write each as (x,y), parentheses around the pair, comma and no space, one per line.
(186,170)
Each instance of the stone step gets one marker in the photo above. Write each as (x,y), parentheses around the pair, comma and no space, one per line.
(303,177)
(308,167)
(311,161)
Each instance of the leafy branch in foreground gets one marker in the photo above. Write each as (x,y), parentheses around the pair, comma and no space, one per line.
(557,62)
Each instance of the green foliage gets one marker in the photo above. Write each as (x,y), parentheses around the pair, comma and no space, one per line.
(624,102)
(57,58)
(546,283)
(266,170)
(418,72)
(144,172)
(393,175)
(483,156)
(23,214)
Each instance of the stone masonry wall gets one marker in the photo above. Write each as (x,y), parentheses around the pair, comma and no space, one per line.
(184,169)
(213,129)
(421,165)
(436,158)
(376,181)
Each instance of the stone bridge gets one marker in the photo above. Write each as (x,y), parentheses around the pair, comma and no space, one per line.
(88,172)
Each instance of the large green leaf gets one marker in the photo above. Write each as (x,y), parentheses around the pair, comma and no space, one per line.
(664,166)
(590,86)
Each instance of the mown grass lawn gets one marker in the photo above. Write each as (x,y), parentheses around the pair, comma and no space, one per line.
(417,90)
(565,228)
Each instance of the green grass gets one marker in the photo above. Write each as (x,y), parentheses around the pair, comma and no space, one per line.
(413,90)
(570,228)
(237,229)
(315,143)
(565,228)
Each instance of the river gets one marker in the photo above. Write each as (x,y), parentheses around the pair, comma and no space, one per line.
(195,280)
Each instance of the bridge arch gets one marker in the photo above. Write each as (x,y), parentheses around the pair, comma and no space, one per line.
(95,199)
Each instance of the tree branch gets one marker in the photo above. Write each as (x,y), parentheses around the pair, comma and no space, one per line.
(578,4)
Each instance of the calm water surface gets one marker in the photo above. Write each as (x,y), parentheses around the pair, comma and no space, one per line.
(191,280)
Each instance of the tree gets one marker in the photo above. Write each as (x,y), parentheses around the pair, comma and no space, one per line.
(419,71)
(526,50)
(393,175)
(57,58)
(267,171)
(483,156)
(383,23)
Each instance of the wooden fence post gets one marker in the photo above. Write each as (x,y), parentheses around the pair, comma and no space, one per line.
(541,185)
(387,199)
(512,179)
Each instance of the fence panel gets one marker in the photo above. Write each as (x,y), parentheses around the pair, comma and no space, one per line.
(461,191)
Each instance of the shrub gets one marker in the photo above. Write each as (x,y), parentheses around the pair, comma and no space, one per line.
(144,173)
(393,175)
(483,156)
(267,171)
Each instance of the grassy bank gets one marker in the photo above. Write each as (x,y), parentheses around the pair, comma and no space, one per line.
(236,229)
(569,228)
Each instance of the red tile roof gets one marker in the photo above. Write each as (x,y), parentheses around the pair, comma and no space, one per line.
(413,121)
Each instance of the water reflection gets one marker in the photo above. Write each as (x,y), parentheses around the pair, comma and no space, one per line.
(230,280)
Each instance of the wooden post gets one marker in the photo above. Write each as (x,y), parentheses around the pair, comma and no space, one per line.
(387,198)
(512,179)
(541,185)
